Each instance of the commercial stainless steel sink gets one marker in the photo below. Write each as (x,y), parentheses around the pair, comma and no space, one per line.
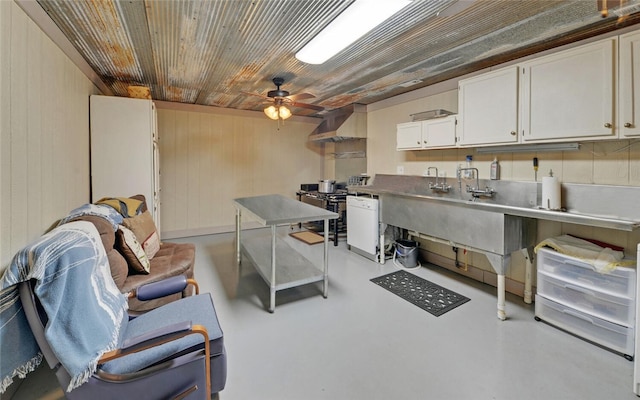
(604,206)
(499,225)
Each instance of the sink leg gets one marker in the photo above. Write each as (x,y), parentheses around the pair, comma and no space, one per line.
(528,267)
(499,264)
(381,228)
(502,315)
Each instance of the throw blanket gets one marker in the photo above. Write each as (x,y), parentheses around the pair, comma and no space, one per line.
(98,210)
(74,285)
(603,259)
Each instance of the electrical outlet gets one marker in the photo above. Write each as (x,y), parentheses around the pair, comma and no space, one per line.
(400,169)
(442,174)
(426,172)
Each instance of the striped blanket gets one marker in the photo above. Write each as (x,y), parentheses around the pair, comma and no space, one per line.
(74,285)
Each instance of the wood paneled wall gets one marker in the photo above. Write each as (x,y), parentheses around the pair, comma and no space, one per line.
(44,126)
(210,157)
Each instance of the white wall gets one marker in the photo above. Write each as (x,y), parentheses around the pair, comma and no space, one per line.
(44,126)
(210,156)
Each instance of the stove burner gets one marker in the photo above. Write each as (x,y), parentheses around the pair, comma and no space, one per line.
(339,195)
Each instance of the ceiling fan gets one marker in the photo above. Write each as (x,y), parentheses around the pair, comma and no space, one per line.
(282,100)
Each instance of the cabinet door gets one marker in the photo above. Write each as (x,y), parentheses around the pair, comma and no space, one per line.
(409,136)
(570,95)
(488,108)
(629,103)
(440,132)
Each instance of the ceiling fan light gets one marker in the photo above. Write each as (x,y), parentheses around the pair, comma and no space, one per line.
(271,112)
(284,112)
(353,23)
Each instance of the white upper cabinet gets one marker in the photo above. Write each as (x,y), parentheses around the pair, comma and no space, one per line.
(570,94)
(488,108)
(409,136)
(429,134)
(629,100)
(440,132)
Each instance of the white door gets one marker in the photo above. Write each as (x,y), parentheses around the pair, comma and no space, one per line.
(122,148)
(570,94)
(409,136)
(629,103)
(439,132)
(488,108)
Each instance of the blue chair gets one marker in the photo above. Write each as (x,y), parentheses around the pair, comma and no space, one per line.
(175,351)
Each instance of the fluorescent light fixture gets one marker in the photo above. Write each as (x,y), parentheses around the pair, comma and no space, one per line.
(353,23)
(410,83)
(529,148)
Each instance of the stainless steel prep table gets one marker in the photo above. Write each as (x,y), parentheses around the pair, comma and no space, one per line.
(278,263)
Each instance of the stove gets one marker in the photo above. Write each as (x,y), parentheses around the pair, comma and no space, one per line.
(336,202)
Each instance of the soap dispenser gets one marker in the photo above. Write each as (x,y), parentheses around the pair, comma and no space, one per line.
(495,169)
(468,173)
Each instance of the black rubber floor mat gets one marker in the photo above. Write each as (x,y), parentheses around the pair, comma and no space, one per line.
(427,295)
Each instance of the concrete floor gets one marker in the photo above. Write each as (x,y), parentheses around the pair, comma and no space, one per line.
(363,342)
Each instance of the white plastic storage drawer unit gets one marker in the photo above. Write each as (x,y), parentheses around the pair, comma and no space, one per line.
(612,336)
(620,310)
(620,281)
(599,307)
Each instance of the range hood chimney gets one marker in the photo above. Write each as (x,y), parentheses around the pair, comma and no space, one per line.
(346,123)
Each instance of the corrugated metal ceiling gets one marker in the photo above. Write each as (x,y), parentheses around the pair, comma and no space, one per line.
(218,52)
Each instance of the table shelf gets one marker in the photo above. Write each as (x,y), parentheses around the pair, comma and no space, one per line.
(293,268)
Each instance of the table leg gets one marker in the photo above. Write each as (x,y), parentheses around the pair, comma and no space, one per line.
(238,228)
(299,199)
(272,288)
(325,285)
(335,209)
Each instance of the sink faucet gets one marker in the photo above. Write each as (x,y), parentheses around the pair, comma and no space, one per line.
(459,172)
(438,187)
(475,191)
(437,175)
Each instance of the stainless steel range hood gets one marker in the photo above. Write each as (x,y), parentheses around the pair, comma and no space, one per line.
(346,123)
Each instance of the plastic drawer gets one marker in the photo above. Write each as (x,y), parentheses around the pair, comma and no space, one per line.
(607,334)
(616,309)
(621,281)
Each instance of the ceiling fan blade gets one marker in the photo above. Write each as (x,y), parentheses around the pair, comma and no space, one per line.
(301,96)
(309,106)
(256,94)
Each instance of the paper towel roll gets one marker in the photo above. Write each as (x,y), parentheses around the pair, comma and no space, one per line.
(551,193)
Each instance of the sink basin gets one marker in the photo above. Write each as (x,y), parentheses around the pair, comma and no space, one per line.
(587,204)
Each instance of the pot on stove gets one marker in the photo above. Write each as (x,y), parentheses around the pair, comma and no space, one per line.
(327,186)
